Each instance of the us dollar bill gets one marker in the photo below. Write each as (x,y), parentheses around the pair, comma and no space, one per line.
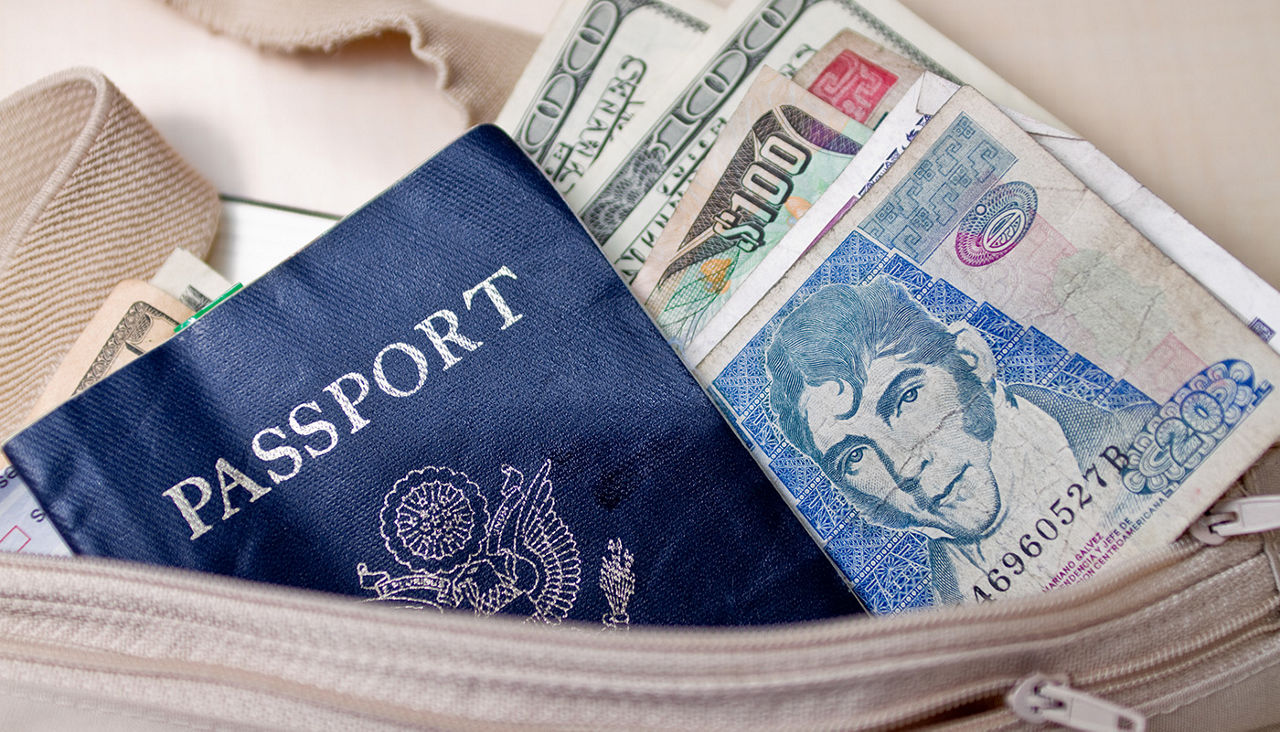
(187,278)
(630,192)
(135,318)
(779,152)
(982,382)
(596,66)
(858,77)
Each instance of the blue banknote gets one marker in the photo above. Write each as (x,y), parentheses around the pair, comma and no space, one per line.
(983,383)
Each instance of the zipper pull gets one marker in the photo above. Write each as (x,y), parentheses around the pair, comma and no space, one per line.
(1040,698)
(1236,516)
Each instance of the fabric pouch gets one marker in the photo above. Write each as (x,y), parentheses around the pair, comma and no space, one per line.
(1187,638)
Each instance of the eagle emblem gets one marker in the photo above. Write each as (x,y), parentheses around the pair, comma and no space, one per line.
(520,559)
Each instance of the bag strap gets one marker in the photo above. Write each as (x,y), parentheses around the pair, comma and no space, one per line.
(90,195)
(476,62)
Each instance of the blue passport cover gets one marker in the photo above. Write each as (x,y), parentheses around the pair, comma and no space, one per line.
(447,400)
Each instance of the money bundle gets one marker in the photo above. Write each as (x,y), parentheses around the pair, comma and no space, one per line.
(967,355)
(961,355)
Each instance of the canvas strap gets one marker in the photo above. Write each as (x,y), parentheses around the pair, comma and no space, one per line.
(89,195)
(476,62)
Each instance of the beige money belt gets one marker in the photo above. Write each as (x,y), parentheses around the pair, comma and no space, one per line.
(92,195)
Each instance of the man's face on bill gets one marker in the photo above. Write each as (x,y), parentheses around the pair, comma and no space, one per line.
(899,452)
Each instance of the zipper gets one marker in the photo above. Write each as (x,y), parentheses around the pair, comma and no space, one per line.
(1040,698)
(808,672)
(1237,517)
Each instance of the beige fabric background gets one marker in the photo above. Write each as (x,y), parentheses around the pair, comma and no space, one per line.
(1178,92)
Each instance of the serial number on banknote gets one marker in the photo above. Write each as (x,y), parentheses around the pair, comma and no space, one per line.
(1044,530)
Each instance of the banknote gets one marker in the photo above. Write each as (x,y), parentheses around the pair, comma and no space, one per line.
(595,67)
(982,382)
(894,134)
(631,191)
(779,152)
(188,279)
(1244,293)
(23,524)
(858,77)
(135,318)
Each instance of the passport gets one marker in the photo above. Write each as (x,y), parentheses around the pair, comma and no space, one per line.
(449,400)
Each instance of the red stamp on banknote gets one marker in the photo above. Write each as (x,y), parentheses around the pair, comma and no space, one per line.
(15,540)
(852,85)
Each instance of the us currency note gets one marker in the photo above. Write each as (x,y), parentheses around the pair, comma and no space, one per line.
(135,318)
(596,66)
(858,77)
(630,192)
(779,152)
(982,382)
(187,278)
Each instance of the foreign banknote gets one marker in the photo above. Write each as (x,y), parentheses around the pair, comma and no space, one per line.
(1244,293)
(779,152)
(858,77)
(596,66)
(892,137)
(630,192)
(982,382)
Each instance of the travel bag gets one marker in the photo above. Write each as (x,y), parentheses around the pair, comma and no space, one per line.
(1185,638)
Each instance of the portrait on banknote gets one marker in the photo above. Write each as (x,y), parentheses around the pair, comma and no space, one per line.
(981,382)
(908,421)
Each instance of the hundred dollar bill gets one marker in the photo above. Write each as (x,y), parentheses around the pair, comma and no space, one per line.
(858,77)
(630,192)
(779,152)
(595,67)
(982,382)
(892,137)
